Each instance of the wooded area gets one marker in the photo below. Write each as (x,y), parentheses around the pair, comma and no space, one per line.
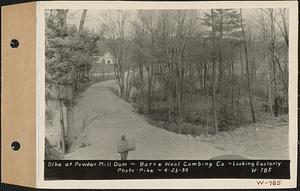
(189,71)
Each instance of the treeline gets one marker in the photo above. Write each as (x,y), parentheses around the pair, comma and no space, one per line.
(169,56)
(68,57)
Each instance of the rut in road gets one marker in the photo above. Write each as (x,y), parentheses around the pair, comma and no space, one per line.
(110,117)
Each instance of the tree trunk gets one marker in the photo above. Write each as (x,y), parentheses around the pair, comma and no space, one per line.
(62,125)
(273,39)
(232,83)
(180,76)
(205,76)
(240,82)
(282,75)
(247,69)
(150,73)
(269,87)
(219,89)
(141,95)
(149,89)
(265,41)
(171,85)
(82,20)
(215,122)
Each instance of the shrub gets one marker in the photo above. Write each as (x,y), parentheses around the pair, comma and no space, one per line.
(226,117)
(187,130)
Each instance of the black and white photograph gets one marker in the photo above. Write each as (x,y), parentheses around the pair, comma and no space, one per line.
(167,84)
(184,85)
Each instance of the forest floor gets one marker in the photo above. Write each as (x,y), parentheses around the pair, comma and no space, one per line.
(264,140)
(102,117)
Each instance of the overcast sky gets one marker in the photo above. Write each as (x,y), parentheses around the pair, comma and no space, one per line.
(94,17)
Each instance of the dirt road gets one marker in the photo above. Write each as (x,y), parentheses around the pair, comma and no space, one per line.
(107,117)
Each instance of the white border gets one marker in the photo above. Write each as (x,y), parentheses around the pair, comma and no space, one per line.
(171,183)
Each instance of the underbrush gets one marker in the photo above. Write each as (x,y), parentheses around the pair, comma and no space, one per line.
(197,116)
(228,119)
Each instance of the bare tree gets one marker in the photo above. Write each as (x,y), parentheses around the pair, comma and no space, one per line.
(247,69)
(115,27)
(214,74)
(284,30)
(82,20)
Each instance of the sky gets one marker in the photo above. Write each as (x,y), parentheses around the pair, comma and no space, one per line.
(92,22)
(93,18)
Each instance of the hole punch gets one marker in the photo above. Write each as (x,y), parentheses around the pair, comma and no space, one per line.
(15,146)
(14,43)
